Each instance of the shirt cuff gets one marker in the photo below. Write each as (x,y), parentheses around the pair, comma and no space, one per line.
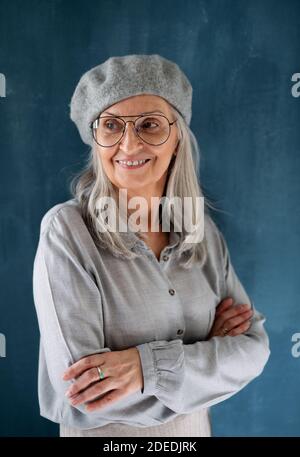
(149,374)
(163,366)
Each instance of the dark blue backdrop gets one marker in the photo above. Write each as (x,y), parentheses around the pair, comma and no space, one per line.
(240,57)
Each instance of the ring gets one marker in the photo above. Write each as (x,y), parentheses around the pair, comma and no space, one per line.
(101,373)
(224,330)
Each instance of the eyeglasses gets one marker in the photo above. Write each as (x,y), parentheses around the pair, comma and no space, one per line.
(152,129)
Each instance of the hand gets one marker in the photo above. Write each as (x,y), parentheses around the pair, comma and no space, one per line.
(123,375)
(230,319)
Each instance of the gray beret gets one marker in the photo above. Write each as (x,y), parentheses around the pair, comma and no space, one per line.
(121,77)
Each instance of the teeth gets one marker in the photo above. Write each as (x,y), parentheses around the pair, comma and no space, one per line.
(131,163)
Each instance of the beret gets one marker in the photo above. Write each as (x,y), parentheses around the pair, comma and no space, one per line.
(120,77)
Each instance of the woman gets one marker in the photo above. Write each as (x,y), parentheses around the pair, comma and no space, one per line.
(141,330)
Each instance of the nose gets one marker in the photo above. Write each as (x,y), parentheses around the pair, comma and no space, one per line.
(130,139)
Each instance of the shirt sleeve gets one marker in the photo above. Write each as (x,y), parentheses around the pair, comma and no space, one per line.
(188,377)
(63,291)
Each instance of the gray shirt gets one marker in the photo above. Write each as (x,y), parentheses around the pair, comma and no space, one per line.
(90,301)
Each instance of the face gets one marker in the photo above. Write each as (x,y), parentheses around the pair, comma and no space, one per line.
(149,178)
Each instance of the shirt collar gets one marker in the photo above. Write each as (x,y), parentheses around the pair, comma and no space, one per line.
(135,243)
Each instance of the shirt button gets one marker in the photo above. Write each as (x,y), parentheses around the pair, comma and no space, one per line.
(165,257)
(179,331)
(171,291)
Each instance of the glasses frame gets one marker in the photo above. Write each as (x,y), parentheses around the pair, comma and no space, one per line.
(138,116)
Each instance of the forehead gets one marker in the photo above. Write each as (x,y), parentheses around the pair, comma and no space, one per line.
(139,104)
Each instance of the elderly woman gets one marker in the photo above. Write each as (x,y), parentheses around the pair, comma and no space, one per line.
(141,330)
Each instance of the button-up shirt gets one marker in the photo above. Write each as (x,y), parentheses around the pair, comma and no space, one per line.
(89,300)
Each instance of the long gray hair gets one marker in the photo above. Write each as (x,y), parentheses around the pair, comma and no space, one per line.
(92,184)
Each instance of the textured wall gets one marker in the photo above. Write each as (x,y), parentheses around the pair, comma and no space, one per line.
(240,57)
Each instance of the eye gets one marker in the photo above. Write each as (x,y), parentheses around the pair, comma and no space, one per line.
(109,125)
(113,124)
(150,124)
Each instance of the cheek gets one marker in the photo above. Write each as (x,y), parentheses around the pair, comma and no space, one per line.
(163,161)
(106,159)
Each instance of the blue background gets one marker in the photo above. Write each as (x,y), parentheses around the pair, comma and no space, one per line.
(239,57)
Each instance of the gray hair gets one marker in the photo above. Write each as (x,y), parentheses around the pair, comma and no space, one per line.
(92,183)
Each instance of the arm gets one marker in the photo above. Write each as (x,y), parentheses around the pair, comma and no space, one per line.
(68,306)
(186,377)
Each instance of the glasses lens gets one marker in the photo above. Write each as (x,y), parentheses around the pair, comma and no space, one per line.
(153,130)
(109,130)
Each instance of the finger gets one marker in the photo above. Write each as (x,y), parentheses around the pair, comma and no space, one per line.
(231,312)
(225,304)
(83,381)
(240,329)
(84,364)
(237,320)
(108,399)
(92,392)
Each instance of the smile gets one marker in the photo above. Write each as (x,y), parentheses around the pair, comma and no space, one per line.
(132,164)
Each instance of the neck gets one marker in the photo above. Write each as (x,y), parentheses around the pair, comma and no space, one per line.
(144,210)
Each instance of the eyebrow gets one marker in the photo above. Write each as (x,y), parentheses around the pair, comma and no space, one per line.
(148,112)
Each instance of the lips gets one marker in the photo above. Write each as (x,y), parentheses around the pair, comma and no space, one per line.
(132,160)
